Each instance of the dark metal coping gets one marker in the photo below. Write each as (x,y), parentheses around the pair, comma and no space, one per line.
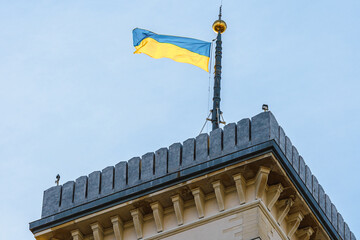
(184,175)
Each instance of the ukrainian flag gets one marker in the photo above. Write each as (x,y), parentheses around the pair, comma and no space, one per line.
(179,49)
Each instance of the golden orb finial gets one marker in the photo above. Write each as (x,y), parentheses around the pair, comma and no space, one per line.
(219,26)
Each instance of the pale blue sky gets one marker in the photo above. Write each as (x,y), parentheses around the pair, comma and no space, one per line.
(74,99)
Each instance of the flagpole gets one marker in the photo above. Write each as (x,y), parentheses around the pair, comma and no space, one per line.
(219,27)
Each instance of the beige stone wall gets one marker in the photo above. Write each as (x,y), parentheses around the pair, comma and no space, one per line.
(246,221)
(229,227)
(242,223)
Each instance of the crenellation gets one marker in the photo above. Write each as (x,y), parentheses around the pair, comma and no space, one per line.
(243,133)
(161,162)
(51,201)
(328,207)
(340,225)
(264,127)
(107,181)
(94,185)
(352,236)
(346,232)
(202,147)
(288,149)
(134,171)
(67,195)
(147,166)
(80,190)
(175,156)
(322,198)
(274,128)
(188,153)
(334,216)
(216,143)
(229,138)
(308,178)
(315,188)
(295,160)
(282,140)
(121,175)
(302,171)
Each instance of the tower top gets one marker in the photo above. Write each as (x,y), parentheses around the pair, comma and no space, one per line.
(219,26)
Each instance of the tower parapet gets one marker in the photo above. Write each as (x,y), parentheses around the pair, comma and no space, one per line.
(166,167)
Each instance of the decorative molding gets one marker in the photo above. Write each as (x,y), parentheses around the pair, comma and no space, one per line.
(274,194)
(98,231)
(199,201)
(76,235)
(118,227)
(261,181)
(304,233)
(294,220)
(158,213)
(138,222)
(178,203)
(240,184)
(284,206)
(219,194)
(202,221)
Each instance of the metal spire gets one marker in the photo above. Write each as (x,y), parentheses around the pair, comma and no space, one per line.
(220,10)
(219,27)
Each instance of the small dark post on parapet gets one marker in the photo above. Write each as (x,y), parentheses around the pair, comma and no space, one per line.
(219,27)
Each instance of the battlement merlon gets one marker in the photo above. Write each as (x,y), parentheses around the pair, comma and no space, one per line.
(168,164)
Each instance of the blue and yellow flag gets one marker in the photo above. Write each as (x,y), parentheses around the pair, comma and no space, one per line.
(179,49)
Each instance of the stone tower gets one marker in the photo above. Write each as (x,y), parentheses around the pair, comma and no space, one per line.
(246,181)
